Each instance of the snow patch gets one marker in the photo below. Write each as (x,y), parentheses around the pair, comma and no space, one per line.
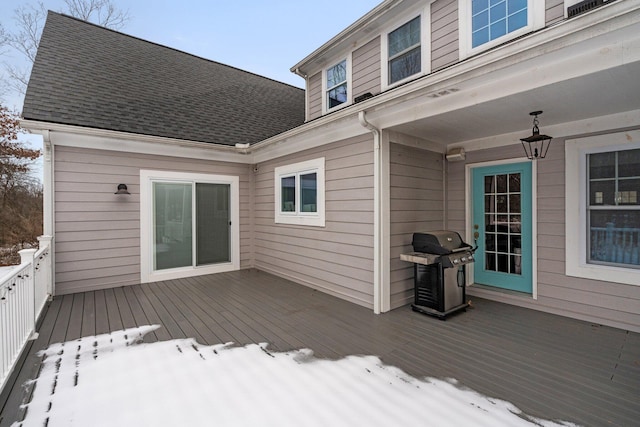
(115,379)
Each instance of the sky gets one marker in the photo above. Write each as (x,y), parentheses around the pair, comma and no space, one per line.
(266,37)
(115,380)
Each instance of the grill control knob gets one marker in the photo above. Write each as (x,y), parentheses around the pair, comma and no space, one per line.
(455,260)
(470,257)
(464,259)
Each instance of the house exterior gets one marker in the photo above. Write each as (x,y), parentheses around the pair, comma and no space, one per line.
(412,121)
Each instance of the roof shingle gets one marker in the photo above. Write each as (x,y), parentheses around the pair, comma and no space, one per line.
(87,75)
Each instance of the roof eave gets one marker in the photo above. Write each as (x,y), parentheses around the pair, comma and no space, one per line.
(346,34)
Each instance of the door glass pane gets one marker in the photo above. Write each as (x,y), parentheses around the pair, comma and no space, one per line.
(514,183)
(213,218)
(172,225)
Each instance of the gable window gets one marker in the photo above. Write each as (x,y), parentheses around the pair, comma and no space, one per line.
(336,78)
(487,23)
(404,50)
(603,207)
(299,190)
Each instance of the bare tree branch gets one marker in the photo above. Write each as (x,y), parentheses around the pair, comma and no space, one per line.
(101,12)
(30,20)
(17,78)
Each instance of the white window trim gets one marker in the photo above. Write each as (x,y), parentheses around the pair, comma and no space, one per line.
(576,151)
(535,21)
(316,219)
(147,177)
(349,101)
(425,46)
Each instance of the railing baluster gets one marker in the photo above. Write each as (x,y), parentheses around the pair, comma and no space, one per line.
(23,294)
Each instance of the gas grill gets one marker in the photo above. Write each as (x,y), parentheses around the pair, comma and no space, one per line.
(440,259)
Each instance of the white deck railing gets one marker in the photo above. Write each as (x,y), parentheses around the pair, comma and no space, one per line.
(24,292)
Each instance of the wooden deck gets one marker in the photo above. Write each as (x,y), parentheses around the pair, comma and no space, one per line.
(549,366)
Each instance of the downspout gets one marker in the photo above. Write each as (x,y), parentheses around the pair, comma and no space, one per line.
(48,202)
(297,72)
(381,292)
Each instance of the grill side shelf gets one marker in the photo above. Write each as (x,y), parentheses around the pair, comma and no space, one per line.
(420,258)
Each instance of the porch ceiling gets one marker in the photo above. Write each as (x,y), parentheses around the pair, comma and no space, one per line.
(603,93)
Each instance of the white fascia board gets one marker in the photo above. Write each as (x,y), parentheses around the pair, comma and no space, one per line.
(315,134)
(624,120)
(82,137)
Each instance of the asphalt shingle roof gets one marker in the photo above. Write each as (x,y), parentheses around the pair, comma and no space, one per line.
(87,75)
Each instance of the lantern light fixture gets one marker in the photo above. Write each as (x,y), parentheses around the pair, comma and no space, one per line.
(536,145)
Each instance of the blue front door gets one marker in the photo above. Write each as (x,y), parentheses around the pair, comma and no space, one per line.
(502,226)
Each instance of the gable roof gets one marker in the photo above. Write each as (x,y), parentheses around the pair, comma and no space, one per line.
(90,76)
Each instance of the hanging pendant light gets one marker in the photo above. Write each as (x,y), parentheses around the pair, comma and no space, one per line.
(536,145)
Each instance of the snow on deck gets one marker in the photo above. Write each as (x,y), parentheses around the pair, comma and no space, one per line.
(115,379)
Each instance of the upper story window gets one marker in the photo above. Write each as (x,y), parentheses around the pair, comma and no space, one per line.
(337,85)
(488,23)
(404,51)
(492,19)
(299,190)
(603,207)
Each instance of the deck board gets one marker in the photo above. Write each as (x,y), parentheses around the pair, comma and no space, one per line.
(89,315)
(549,366)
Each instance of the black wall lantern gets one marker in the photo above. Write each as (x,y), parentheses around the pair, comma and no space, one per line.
(122,189)
(536,145)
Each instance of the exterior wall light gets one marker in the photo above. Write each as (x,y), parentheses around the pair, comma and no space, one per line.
(536,145)
(122,189)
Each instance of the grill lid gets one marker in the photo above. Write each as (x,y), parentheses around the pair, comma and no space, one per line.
(442,242)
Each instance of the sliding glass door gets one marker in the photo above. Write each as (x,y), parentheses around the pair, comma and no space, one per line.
(180,206)
(189,224)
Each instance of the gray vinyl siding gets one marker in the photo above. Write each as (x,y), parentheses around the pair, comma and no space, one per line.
(554,11)
(416,204)
(337,258)
(444,34)
(608,303)
(315,96)
(97,233)
(366,69)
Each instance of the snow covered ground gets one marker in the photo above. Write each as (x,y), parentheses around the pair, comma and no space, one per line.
(115,380)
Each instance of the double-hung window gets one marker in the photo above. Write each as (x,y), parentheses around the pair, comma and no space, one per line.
(299,190)
(613,206)
(487,23)
(404,51)
(336,85)
(603,207)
